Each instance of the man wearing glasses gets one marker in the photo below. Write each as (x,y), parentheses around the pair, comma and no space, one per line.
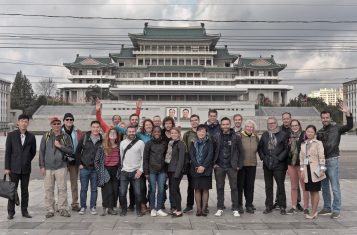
(272,151)
(75,135)
(54,148)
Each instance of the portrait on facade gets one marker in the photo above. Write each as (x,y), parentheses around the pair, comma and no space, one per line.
(171,112)
(185,113)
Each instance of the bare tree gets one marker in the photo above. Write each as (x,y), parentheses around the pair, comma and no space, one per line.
(46,87)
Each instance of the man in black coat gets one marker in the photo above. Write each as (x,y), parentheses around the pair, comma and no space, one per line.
(272,151)
(19,152)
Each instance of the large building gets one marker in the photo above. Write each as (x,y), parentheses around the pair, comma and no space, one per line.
(350,97)
(4,103)
(331,96)
(176,69)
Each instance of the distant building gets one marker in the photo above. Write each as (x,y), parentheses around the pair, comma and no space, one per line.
(177,68)
(350,96)
(4,103)
(329,95)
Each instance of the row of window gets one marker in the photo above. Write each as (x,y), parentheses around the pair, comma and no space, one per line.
(242,97)
(173,48)
(194,83)
(175,62)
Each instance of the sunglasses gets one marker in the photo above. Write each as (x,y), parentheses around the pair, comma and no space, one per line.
(56,124)
(69,119)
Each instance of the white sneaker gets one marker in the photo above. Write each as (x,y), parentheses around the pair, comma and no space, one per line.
(93,211)
(161,213)
(153,213)
(82,211)
(219,213)
(236,214)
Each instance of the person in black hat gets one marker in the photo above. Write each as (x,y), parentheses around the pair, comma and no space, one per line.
(76,134)
(19,152)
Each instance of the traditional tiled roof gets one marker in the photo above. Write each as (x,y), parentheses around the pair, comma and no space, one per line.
(174,33)
(90,62)
(259,63)
(223,54)
(124,53)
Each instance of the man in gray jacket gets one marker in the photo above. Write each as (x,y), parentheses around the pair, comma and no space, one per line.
(55,144)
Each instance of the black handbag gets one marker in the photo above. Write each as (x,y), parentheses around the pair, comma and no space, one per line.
(8,190)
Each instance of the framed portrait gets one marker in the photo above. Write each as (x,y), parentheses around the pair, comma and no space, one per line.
(185,113)
(172,112)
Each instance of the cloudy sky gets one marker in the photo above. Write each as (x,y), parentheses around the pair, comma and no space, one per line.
(318,54)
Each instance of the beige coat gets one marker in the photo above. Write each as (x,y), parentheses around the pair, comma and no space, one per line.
(250,147)
(316,156)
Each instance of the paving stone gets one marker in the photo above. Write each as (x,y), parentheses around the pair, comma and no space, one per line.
(76,226)
(233,232)
(49,225)
(201,225)
(4,231)
(255,226)
(111,232)
(279,226)
(330,225)
(275,232)
(315,232)
(305,225)
(229,226)
(28,232)
(102,225)
(347,224)
(152,232)
(24,225)
(69,232)
(346,231)
(196,232)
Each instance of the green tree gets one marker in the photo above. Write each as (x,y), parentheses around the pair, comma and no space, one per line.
(302,100)
(95,91)
(22,95)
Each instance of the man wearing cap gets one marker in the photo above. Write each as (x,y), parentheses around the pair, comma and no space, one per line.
(20,149)
(55,146)
(75,135)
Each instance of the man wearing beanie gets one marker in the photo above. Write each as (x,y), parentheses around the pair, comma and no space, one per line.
(73,169)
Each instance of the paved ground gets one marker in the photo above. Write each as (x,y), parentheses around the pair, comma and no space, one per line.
(247,224)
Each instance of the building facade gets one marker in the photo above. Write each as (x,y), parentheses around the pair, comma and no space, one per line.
(4,103)
(331,96)
(350,97)
(177,68)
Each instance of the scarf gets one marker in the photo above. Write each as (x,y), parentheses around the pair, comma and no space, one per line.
(272,139)
(168,155)
(294,137)
(199,144)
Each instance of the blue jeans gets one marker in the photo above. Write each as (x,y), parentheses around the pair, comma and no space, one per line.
(86,175)
(158,179)
(333,177)
(125,179)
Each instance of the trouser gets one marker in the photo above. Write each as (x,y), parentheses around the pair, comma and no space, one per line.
(157,180)
(294,174)
(24,184)
(190,191)
(110,189)
(246,179)
(86,176)
(175,194)
(332,177)
(125,179)
(52,178)
(279,176)
(73,177)
(220,174)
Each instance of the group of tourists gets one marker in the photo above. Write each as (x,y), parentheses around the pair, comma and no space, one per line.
(150,160)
